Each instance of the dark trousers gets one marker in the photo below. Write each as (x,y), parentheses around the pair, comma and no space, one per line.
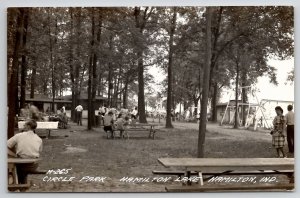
(79,117)
(23,170)
(290,137)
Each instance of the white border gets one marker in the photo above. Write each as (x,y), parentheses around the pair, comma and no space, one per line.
(89,3)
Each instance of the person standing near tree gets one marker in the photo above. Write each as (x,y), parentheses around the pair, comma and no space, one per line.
(134,113)
(79,110)
(63,109)
(290,128)
(278,137)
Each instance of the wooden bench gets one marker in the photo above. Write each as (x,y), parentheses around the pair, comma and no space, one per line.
(12,171)
(140,127)
(42,125)
(288,173)
(177,173)
(235,187)
(21,187)
(231,166)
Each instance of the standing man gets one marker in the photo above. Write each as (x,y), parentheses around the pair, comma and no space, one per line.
(63,109)
(290,128)
(134,113)
(79,110)
(102,110)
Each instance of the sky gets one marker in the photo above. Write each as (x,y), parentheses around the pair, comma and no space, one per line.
(283,91)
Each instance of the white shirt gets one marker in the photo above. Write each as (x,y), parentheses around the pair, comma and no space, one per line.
(102,110)
(134,112)
(79,108)
(27,144)
(289,118)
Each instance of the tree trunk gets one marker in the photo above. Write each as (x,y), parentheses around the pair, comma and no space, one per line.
(110,86)
(24,62)
(170,72)
(12,94)
(51,62)
(236,117)
(71,65)
(214,102)
(32,80)
(206,80)
(140,24)
(244,96)
(141,94)
(92,78)
(89,126)
(125,94)
(77,80)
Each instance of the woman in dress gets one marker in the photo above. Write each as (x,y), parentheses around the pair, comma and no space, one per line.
(278,137)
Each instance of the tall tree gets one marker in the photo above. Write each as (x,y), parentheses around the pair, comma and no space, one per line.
(141,18)
(24,61)
(205,92)
(13,76)
(170,70)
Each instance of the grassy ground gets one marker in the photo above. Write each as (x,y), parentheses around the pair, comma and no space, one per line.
(89,153)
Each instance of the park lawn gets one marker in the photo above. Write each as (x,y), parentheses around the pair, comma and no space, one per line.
(89,153)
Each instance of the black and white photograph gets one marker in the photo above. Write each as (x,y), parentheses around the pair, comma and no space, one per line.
(150,99)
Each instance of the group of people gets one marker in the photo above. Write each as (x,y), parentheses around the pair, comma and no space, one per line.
(283,128)
(111,118)
(114,120)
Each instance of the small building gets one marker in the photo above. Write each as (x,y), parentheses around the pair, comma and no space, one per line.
(83,100)
(43,102)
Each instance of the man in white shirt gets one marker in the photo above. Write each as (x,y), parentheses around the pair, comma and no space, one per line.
(290,128)
(25,145)
(102,110)
(63,109)
(134,113)
(79,110)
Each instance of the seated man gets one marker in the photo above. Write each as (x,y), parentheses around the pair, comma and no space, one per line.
(26,145)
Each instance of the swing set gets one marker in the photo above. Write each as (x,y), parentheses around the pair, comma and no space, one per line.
(250,117)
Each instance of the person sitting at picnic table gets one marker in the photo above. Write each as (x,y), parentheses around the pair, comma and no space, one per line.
(122,124)
(26,145)
(63,119)
(108,123)
(278,137)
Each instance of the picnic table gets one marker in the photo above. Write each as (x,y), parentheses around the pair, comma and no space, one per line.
(12,170)
(139,127)
(142,127)
(42,125)
(225,165)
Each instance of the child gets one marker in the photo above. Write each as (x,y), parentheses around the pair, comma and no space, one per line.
(122,124)
(108,123)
